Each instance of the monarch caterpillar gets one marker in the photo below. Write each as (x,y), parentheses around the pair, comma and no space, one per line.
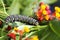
(21,18)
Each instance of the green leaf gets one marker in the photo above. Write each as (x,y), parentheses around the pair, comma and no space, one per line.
(14,8)
(0,31)
(0,2)
(51,36)
(47,34)
(2,20)
(55,26)
(1,6)
(3,15)
(48,1)
(27,2)
(7,2)
(3,31)
(4,38)
(28,11)
(29,7)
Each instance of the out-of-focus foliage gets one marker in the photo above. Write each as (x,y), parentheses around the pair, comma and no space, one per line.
(55,26)
(28,6)
(48,34)
(49,1)
(14,8)
(1,7)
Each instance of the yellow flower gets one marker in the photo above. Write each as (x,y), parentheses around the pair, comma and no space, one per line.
(15,29)
(43,7)
(57,9)
(34,38)
(44,12)
(57,14)
(26,29)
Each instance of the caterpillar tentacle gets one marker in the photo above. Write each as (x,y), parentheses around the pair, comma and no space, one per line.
(25,19)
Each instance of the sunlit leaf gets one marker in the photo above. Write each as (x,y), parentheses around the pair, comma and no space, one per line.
(28,11)
(29,7)
(14,8)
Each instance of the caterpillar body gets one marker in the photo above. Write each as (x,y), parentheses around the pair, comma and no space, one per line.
(20,18)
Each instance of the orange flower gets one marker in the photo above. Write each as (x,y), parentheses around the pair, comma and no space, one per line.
(21,32)
(47,17)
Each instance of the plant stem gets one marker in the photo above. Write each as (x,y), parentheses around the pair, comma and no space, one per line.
(29,35)
(20,37)
(4,7)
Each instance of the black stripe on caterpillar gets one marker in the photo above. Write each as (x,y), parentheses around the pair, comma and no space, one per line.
(24,19)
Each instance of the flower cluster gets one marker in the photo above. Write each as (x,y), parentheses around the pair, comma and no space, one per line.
(21,33)
(44,12)
(56,13)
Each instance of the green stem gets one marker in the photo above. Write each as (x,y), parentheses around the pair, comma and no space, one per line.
(2,20)
(29,35)
(4,7)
